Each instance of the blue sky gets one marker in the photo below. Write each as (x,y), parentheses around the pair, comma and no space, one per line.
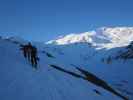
(42,20)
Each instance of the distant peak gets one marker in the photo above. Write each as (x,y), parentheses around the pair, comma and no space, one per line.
(102,36)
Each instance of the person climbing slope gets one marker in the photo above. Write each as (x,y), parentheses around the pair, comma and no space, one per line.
(34,57)
(24,50)
(28,50)
(30,53)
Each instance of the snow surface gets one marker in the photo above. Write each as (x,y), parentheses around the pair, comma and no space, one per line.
(19,81)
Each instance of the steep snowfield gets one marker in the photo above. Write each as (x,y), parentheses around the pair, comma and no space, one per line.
(19,81)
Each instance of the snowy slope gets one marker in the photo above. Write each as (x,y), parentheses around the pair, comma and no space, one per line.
(19,81)
(91,50)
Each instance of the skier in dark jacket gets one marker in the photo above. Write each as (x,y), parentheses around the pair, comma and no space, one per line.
(24,49)
(30,52)
(34,57)
(29,49)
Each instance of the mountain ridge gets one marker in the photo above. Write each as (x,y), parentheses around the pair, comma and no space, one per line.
(101,36)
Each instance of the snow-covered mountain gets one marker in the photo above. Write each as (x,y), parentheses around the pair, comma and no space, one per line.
(117,36)
(70,67)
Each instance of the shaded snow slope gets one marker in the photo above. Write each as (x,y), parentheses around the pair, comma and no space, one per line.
(101,62)
(20,82)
